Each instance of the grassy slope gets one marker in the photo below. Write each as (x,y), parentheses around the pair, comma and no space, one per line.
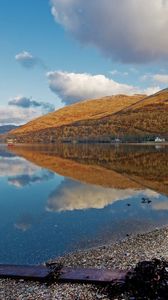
(85,110)
(110,116)
(147,116)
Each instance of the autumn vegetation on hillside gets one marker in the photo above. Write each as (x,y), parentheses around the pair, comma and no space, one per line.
(130,118)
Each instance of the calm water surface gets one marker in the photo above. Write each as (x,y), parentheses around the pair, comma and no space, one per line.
(56,199)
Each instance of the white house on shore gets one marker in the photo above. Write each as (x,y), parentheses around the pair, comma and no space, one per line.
(159,140)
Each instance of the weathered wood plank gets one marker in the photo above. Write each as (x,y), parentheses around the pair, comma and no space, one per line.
(66,274)
(91,275)
(39,272)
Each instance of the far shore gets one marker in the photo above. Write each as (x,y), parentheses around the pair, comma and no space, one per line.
(89,143)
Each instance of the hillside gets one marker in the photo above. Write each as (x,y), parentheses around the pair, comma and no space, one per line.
(84,110)
(132,118)
(6,128)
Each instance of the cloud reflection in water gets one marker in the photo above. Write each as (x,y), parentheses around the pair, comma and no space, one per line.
(20,172)
(16,166)
(25,179)
(72,195)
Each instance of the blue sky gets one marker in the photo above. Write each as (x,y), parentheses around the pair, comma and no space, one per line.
(57,52)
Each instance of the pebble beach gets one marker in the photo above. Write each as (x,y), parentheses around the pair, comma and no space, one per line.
(124,254)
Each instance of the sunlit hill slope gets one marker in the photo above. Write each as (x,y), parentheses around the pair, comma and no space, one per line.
(128,117)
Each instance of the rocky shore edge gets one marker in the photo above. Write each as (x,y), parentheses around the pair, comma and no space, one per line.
(122,255)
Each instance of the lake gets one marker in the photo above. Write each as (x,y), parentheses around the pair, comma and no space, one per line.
(58,199)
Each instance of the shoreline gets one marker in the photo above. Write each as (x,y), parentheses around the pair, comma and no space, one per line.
(152,143)
(124,254)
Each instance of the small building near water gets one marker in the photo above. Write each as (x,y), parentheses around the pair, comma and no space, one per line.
(159,140)
(10,142)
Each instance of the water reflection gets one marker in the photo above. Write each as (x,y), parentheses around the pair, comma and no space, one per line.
(25,179)
(14,166)
(24,222)
(56,199)
(71,195)
(122,167)
(19,171)
(161,205)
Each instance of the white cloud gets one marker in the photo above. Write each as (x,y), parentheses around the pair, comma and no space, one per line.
(18,115)
(145,77)
(132,31)
(26,102)
(71,195)
(24,55)
(152,90)
(72,87)
(21,110)
(116,72)
(161,78)
(27,60)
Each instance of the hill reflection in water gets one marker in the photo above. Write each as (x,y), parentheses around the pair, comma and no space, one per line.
(60,198)
(121,167)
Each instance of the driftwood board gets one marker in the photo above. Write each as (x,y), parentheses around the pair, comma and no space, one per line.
(67,274)
(91,275)
(26,272)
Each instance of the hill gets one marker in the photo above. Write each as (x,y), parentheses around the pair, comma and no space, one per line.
(128,117)
(84,110)
(6,128)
